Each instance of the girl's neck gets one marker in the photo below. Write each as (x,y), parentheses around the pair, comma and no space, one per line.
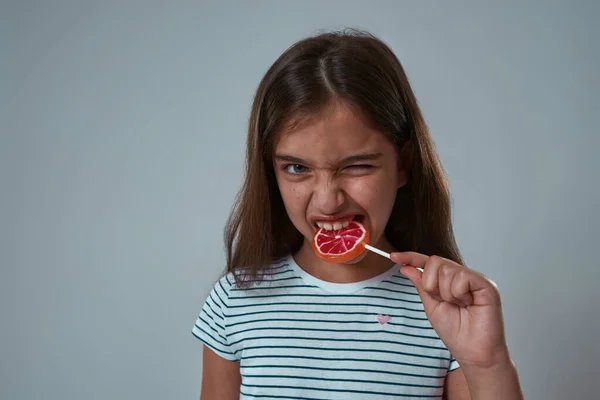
(371,265)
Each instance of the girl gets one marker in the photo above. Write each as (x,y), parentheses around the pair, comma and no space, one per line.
(335,136)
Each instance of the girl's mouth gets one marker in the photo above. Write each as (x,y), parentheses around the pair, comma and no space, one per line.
(337,224)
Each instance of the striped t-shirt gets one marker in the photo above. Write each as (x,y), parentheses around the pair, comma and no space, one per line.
(298,337)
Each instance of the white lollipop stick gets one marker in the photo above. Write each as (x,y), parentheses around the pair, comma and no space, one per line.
(376,250)
(382,253)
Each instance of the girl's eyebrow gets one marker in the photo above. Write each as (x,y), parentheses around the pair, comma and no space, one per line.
(288,158)
(347,160)
(361,157)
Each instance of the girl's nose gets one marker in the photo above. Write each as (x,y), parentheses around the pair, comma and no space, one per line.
(328,197)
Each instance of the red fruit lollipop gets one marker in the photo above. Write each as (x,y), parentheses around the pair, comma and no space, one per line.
(340,245)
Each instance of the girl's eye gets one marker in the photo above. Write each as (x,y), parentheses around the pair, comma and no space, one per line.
(359,168)
(295,169)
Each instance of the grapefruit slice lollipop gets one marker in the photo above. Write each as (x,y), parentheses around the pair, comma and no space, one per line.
(341,245)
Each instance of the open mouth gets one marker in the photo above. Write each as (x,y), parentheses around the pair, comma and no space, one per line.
(337,224)
(340,240)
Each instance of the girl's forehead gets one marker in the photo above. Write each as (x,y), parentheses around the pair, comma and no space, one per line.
(335,132)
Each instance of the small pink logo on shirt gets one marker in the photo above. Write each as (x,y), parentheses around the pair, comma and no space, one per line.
(383,319)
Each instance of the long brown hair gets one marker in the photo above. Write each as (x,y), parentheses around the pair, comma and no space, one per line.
(360,70)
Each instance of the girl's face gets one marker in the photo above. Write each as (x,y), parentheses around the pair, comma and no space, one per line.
(335,168)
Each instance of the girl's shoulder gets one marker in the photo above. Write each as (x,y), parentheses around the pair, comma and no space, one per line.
(279,270)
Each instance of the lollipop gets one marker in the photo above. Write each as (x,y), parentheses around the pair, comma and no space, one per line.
(340,245)
(345,244)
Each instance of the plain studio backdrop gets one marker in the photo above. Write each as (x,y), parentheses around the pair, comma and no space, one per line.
(123,128)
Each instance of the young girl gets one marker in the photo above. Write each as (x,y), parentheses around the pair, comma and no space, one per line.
(336,136)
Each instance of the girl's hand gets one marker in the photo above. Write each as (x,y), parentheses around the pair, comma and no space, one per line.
(463,307)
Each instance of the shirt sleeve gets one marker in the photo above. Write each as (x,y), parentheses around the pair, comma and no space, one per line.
(211,326)
(453,365)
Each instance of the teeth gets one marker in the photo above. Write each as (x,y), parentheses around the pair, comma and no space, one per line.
(333,225)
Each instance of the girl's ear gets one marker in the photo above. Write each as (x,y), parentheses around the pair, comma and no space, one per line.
(404,164)
(402,177)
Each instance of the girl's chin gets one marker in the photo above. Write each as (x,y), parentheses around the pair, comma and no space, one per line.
(357,259)
(309,252)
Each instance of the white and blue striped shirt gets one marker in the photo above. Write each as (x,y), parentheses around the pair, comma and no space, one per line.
(297,337)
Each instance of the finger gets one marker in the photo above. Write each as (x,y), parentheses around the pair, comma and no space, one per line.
(481,290)
(409,258)
(416,277)
(461,288)
(446,275)
(431,277)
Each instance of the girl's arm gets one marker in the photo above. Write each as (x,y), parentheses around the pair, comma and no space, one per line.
(497,383)
(455,387)
(220,377)
(464,308)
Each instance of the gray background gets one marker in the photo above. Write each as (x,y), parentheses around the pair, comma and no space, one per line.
(122,137)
